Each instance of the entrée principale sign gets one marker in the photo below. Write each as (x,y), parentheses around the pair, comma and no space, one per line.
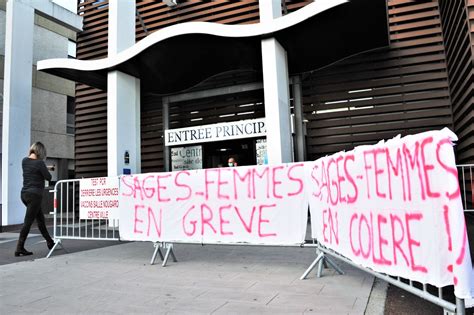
(216,132)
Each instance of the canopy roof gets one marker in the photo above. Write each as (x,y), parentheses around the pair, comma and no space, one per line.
(178,57)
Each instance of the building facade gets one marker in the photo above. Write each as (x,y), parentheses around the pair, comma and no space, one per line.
(421,80)
(36,106)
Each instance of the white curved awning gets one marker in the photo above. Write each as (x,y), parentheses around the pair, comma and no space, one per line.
(177,57)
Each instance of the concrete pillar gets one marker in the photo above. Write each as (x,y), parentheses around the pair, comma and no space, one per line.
(123,95)
(166,125)
(299,124)
(16,107)
(276,90)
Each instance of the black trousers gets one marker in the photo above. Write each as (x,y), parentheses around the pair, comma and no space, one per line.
(33,211)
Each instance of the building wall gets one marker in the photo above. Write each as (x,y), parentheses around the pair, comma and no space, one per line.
(378,95)
(400,90)
(458,18)
(49,94)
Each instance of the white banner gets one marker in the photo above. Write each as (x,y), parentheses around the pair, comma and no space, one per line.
(395,207)
(256,205)
(98,198)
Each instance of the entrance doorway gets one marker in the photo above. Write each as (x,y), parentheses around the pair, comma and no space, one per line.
(216,154)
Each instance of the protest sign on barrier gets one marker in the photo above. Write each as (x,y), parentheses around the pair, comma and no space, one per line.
(254,204)
(395,207)
(99,198)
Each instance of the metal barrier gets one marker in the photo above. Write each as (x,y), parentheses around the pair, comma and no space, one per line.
(466,183)
(421,290)
(67,224)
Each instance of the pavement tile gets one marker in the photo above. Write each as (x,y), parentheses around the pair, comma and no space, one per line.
(211,279)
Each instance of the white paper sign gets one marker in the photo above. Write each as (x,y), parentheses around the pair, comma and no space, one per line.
(256,205)
(216,132)
(395,207)
(99,198)
(186,158)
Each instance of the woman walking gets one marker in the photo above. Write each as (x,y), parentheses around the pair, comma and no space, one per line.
(35,173)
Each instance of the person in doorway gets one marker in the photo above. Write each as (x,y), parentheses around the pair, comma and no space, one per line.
(232,162)
(35,172)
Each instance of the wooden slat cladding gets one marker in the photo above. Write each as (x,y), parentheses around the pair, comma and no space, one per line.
(219,109)
(156,15)
(91,103)
(402,89)
(152,133)
(458,18)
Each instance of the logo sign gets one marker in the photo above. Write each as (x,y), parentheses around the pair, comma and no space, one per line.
(98,198)
(216,132)
(186,158)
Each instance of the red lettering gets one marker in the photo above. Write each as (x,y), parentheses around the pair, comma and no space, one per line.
(178,184)
(148,191)
(412,161)
(261,176)
(123,179)
(451,170)
(160,187)
(356,252)
(427,168)
(137,187)
(378,172)
(353,198)
(222,221)
(340,179)
(313,177)
(411,242)
(157,226)
(192,222)
(207,181)
(325,226)
(206,220)
(396,242)
(367,168)
(136,219)
(295,179)
(369,237)
(248,227)
(261,220)
(382,241)
(333,224)
(247,177)
(397,169)
(275,182)
(332,183)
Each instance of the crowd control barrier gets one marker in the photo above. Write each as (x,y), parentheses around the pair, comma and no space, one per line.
(67,222)
(466,183)
(435,295)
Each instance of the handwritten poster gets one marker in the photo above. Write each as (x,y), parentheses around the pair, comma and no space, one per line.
(395,207)
(255,204)
(99,198)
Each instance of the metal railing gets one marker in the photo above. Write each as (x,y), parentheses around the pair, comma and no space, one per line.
(67,224)
(435,295)
(466,184)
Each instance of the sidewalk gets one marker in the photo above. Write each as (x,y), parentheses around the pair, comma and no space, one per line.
(215,279)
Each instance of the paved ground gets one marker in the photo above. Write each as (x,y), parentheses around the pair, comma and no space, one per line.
(209,279)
